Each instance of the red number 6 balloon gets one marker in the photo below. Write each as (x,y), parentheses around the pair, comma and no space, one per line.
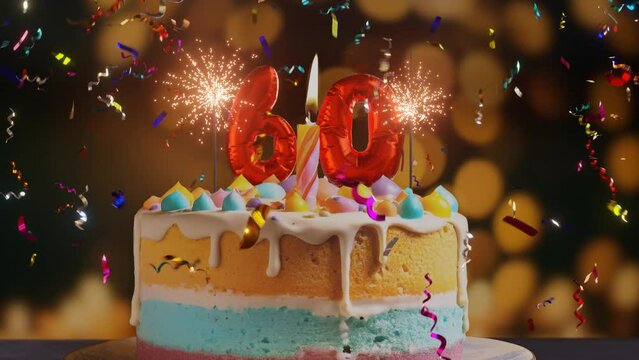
(251,119)
(340,161)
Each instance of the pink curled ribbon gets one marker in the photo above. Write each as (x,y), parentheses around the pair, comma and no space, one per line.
(369,202)
(580,304)
(431,315)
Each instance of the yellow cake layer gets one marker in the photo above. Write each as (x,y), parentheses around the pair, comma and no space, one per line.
(310,270)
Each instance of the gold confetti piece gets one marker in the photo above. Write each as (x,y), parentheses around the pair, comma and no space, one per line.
(32,260)
(618,211)
(335,24)
(491,33)
(562,22)
(65,59)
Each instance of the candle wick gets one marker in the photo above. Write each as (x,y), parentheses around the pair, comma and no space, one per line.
(309,118)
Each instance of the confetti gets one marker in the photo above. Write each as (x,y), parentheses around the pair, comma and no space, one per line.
(22,229)
(390,246)
(369,202)
(518,92)
(346,5)
(25,78)
(564,62)
(10,118)
(426,312)
(628,94)
(525,228)
(104,74)
(467,249)
(491,34)
(531,324)
(106,272)
(32,260)
(80,210)
(362,33)
(435,25)
(254,15)
(72,112)
(25,6)
(513,72)
(580,304)
(617,210)
(480,106)
(594,274)
(562,22)
(63,58)
(536,10)
(161,9)
(109,101)
(33,40)
(21,40)
(619,75)
(416,181)
(128,49)
(334,25)
(8,195)
(18,174)
(547,301)
(202,177)
(63,207)
(158,119)
(265,47)
(176,263)
(580,165)
(118,199)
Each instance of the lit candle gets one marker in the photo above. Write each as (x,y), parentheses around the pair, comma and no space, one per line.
(308,144)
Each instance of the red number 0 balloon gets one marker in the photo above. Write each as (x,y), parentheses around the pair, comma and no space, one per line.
(250,119)
(340,161)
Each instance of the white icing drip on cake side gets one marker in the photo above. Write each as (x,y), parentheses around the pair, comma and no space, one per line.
(316,230)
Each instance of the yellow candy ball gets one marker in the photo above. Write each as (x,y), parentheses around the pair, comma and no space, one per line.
(295,202)
(436,205)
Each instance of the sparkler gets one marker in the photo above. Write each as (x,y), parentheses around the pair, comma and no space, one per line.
(204,88)
(417,103)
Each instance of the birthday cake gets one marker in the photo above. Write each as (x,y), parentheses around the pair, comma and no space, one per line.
(327,284)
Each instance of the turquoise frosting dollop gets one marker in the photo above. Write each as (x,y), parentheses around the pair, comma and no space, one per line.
(450,198)
(271,191)
(203,203)
(233,202)
(411,207)
(174,202)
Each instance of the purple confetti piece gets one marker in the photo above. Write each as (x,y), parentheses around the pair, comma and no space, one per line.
(435,24)
(159,119)
(265,47)
(128,49)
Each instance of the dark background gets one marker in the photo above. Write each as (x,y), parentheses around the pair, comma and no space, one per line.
(527,149)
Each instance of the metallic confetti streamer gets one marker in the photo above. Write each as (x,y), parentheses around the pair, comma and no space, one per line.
(480,107)
(362,33)
(109,101)
(33,40)
(467,249)
(158,119)
(369,202)
(104,74)
(562,22)
(334,25)
(580,304)
(547,301)
(18,174)
(79,223)
(513,72)
(18,196)
(63,207)
(618,211)
(161,9)
(10,118)
(25,78)
(435,25)
(594,274)
(491,35)
(265,47)
(536,10)
(176,263)
(21,40)
(63,58)
(346,5)
(118,199)
(32,260)
(22,229)
(390,246)
(426,312)
(69,190)
(72,112)
(106,271)
(128,49)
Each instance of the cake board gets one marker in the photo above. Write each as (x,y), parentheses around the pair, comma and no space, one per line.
(474,349)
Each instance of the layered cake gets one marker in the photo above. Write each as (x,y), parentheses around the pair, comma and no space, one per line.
(251,272)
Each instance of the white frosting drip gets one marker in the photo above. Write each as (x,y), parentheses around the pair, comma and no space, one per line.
(316,231)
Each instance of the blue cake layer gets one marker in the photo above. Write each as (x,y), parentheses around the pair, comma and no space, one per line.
(259,332)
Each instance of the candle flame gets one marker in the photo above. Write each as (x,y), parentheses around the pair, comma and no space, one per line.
(311,93)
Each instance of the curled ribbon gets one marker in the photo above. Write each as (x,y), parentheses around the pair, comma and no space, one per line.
(161,9)
(580,304)
(106,271)
(80,210)
(431,315)
(369,202)
(109,101)
(104,74)
(10,120)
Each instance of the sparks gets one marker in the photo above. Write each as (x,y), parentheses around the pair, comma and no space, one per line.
(417,103)
(204,88)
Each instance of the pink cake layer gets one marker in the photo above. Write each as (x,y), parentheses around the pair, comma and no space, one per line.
(146,351)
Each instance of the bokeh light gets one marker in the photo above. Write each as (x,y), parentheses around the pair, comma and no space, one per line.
(482,70)
(614,101)
(553,317)
(463,118)
(383,10)
(589,14)
(513,284)
(510,239)
(424,143)
(529,35)
(329,77)
(622,158)
(607,253)
(478,185)
(245,34)
(135,34)
(484,254)
(624,289)
(547,95)
(434,59)
(457,9)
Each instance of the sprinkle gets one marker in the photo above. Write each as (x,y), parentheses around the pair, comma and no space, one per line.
(10,118)
(334,25)
(527,229)
(32,260)
(362,33)
(61,57)
(265,47)
(426,312)
(128,49)
(564,62)
(22,229)
(158,119)
(435,25)
(390,246)
(106,272)
(491,34)
(536,10)
(547,301)
(118,199)
(104,74)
